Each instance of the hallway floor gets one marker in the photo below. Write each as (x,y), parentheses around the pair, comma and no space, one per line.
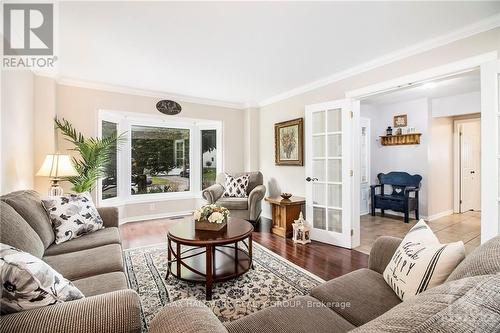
(465,227)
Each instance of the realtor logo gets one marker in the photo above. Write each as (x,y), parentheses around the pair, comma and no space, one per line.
(28,29)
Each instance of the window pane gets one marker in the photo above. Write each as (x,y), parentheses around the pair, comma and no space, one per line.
(208,157)
(109,185)
(160,160)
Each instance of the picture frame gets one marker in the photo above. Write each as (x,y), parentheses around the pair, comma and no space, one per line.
(401,120)
(289,142)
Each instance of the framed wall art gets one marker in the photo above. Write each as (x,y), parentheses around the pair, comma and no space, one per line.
(289,142)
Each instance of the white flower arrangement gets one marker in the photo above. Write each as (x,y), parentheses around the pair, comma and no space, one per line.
(211,213)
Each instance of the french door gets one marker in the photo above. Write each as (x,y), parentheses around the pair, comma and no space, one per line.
(328,172)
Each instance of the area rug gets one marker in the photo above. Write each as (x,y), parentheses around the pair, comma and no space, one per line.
(273,280)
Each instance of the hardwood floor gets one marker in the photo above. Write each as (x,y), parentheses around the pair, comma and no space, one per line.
(452,228)
(323,260)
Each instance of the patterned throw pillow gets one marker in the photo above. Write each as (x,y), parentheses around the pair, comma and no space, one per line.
(421,262)
(72,216)
(236,187)
(29,283)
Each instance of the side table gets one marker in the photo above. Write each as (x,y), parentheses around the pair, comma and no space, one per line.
(285,211)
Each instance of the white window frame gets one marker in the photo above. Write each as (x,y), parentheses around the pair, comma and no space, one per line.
(125,121)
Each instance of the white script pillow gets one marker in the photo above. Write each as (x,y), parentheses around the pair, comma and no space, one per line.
(29,283)
(421,262)
(72,216)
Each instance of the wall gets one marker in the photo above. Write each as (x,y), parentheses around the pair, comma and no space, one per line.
(291,179)
(17,150)
(80,106)
(456,105)
(410,158)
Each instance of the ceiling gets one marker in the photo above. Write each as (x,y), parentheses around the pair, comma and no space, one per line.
(450,86)
(242,52)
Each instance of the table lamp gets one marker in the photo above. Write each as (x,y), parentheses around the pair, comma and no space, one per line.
(57,166)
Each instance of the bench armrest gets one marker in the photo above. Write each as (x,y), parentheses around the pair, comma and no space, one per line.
(110,216)
(114,312)
(412,189)
(375,186)
(381,253)
(186,316)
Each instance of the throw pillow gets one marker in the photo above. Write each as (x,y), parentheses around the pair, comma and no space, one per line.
(236,187)
(72,216)
(421,262)
(29,283)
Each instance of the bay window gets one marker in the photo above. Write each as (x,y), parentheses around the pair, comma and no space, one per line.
(160,158)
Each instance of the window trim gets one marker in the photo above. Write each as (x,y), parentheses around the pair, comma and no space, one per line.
(125,121)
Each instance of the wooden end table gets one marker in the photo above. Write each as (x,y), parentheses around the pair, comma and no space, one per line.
(285,211)
(209,256)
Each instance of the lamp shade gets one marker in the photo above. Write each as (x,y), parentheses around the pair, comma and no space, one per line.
(56,166)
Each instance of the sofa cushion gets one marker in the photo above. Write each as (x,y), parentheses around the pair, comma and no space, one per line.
(234,203)
(301,314)
(16,232)
(467,305)
(485,259)
(102,283)
(421,262)
(29,283)
(95,239)
(90,262)
(365,290)
(236,187)
(29,205)
(72,216)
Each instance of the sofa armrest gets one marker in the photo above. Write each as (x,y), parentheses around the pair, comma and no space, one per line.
(254,201)
(186,316)
(114,312)
(213,193)
(382,252)
(109,216)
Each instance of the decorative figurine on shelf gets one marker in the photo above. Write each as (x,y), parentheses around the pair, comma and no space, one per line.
(389,131)
(301,231)
(399,131)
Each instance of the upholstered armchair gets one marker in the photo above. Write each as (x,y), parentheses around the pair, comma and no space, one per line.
(245,208)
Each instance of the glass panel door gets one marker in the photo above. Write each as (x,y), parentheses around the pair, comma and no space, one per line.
(327,174)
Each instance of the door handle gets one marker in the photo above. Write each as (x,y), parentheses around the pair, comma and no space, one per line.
(473,171)
(309,179)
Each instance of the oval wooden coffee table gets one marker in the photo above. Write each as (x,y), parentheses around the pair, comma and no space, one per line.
(209,256)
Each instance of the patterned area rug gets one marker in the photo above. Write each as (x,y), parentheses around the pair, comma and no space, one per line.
(273,280)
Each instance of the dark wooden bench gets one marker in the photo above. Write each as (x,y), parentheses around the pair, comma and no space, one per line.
(399,200)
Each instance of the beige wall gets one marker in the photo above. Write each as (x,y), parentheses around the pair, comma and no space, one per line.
(291,179)
(17,150)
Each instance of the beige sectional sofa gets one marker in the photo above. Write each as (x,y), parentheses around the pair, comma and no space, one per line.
(93,262)
(469,301)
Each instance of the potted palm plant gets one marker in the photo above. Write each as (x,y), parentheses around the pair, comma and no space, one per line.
(95,155)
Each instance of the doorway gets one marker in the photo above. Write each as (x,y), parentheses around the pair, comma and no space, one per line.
(468,168)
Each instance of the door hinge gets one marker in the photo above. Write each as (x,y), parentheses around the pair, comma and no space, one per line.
(352,232)
(351,114)
(460,201)
(351,173)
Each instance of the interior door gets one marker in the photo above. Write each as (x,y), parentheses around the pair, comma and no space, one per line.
(364,166)
(328,178)
(470,165)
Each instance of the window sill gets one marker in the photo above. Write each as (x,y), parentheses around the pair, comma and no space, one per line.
(149,198)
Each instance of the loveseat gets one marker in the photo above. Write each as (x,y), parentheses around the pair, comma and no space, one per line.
(362,302)
(93,262)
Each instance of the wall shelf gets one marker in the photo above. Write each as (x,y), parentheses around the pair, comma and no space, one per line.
(403,139)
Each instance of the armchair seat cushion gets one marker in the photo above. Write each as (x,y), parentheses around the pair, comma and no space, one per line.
(368,295)
(234,203)
(95,239)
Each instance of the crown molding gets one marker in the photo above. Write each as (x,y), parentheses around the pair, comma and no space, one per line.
(467,31)
(66,81)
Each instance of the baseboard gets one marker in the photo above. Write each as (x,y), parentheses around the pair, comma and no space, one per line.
(399,214)
(154,216)
(439,215)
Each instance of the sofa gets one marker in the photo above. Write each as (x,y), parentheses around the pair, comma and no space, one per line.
(93,262)
(362,302)
(245,208)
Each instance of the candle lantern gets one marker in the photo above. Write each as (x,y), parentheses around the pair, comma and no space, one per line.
(301,231)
